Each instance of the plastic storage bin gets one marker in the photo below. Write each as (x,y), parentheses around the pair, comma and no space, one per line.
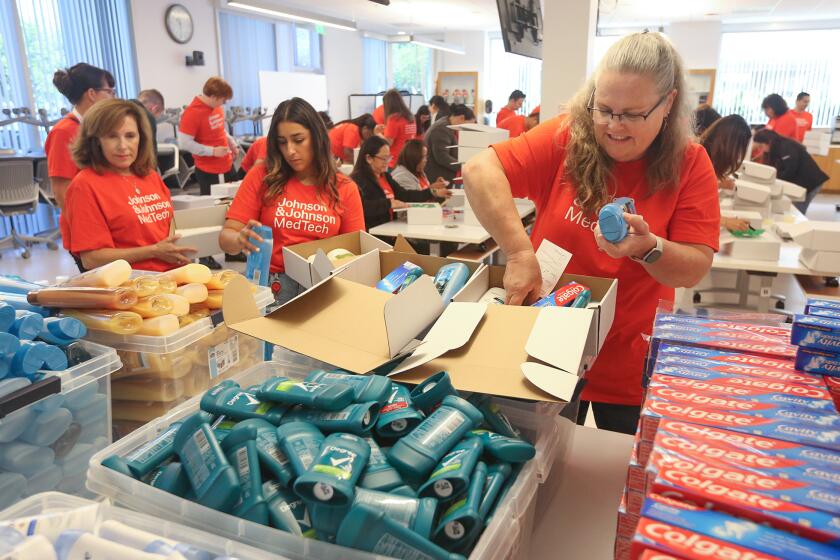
(161,372)
(93,514)
(507,535)
(47,444)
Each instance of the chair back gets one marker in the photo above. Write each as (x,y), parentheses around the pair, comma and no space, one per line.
(17,183)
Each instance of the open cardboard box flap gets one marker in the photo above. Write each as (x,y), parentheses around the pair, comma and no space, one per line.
(308,274)
(338,321)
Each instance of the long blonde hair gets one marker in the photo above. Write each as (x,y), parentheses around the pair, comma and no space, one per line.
(587,164)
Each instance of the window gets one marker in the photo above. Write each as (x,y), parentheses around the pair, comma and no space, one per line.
(507,72)
(412,68)
(307,47)
(375,62)
(755,64)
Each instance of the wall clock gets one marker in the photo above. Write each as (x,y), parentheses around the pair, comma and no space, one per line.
(179,23)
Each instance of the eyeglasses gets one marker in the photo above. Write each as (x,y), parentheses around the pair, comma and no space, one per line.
(601,116)
(382,158)
(111,91)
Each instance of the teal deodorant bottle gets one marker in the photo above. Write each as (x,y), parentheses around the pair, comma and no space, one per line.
(240,447)
(331,480)
(366,388)
(496,477)
(462,519)
(272,458)
(229,399)
(357,418)
(398,416)
(452,475)
(301,443)
(505,449)
(430,394)
(321,396)
(379,474)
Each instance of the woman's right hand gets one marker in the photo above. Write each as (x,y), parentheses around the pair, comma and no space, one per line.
(221,151)
(246,238)
(735,224)
(398,204)
(523,278)
(166,250)
(727,183)
(379,130)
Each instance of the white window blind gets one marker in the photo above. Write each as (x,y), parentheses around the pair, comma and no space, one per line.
(755,64)
(507,72)
(375,65)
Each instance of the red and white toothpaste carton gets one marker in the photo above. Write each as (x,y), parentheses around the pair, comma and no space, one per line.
(626,523)
(649,554)
(780,424)
(739,341)
(779,331)
(750,388)
(700,368)
(664,538)
(725,357)
(740,532)
(719,494)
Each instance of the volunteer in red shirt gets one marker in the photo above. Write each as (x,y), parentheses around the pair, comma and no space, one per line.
(379,115)
(782,121)
(254,154)
(515,101)
(804,119)
(399,123)
(117,205)
(410,172)
(202,132)
(348,135)
(83,85)
(517,125)
(296,191)
(626,135)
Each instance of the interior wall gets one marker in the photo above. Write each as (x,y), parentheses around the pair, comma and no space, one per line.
(697,42)
(161,61)
(344,68)
(474,58)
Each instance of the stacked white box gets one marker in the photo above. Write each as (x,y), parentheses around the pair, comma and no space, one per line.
(817,142)
(474,138)
(820,247)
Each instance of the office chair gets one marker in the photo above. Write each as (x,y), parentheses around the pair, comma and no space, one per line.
(42,177)
(18,197)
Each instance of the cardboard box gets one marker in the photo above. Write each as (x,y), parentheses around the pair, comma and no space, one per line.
(818,361)
(200,228)
(466,153)
(792,191)
(308,272)
(479,135)
(816,235)
(758,172)
(755,219)
(764,248)
(226,190)
(425,214)
(822,261)
(780,205)
(750,192)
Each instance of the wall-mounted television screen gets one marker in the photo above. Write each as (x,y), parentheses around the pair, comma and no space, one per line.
(522,26)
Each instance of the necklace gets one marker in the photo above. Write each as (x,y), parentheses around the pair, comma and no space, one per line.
(131,184)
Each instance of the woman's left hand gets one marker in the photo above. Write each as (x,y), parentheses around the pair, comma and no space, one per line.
(234,147)
(638,242)
(441,192)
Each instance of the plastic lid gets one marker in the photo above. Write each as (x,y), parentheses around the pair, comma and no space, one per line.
(29,326)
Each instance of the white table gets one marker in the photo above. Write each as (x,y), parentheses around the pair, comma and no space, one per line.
(456,232)
(579,520)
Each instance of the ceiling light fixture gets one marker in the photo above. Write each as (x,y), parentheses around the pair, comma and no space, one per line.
(439,45)
(297,15)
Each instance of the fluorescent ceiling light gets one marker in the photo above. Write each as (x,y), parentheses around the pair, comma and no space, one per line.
(297,15)
(439,45)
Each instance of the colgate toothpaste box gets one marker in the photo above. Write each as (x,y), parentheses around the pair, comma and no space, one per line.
(781,332)
(626,525)
(832,304)
(650,554)
(699,368)
(820,333)
(665,538)
(820,312)
(621,550)
(735,341)
(789,427)
(750,388)
(822,362)
(740,532)
(815,492)
(725,358)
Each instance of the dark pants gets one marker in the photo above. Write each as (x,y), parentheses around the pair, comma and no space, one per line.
(205,179)
(809,196)
(620,418)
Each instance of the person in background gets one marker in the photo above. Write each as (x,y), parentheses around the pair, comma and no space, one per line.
(626,134)
(804,119)
(296,191)
(410,171)
(517,125)
(704,116)
(782,120)
(256,153)
(443,162)
(438,107)
(84,86)
(380,193)
(379,114)
(328,122)
(399,123)
(202,133)
(726,141)
(515,101)
(792,162)
(151,100)
(117,205)
(423,120)
(348,135)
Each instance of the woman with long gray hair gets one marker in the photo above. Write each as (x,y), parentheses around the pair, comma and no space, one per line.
(626,135)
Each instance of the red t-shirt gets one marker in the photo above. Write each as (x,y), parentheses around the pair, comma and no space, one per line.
(379,115)
(57,147)
(207,126)
(399,130)
(515,124)
(112,211)
(690,213)
(299,214)
(256,152)
(804,122)
(424,182)
(344,136)
(785,125)
(504,113)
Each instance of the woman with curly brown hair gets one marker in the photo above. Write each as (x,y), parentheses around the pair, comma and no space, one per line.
(296,191)
(627,135)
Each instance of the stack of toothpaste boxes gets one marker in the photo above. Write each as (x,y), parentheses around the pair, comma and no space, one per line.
(817,335)
(737,453)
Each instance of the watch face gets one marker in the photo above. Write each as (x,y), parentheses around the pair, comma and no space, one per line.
(179,23)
